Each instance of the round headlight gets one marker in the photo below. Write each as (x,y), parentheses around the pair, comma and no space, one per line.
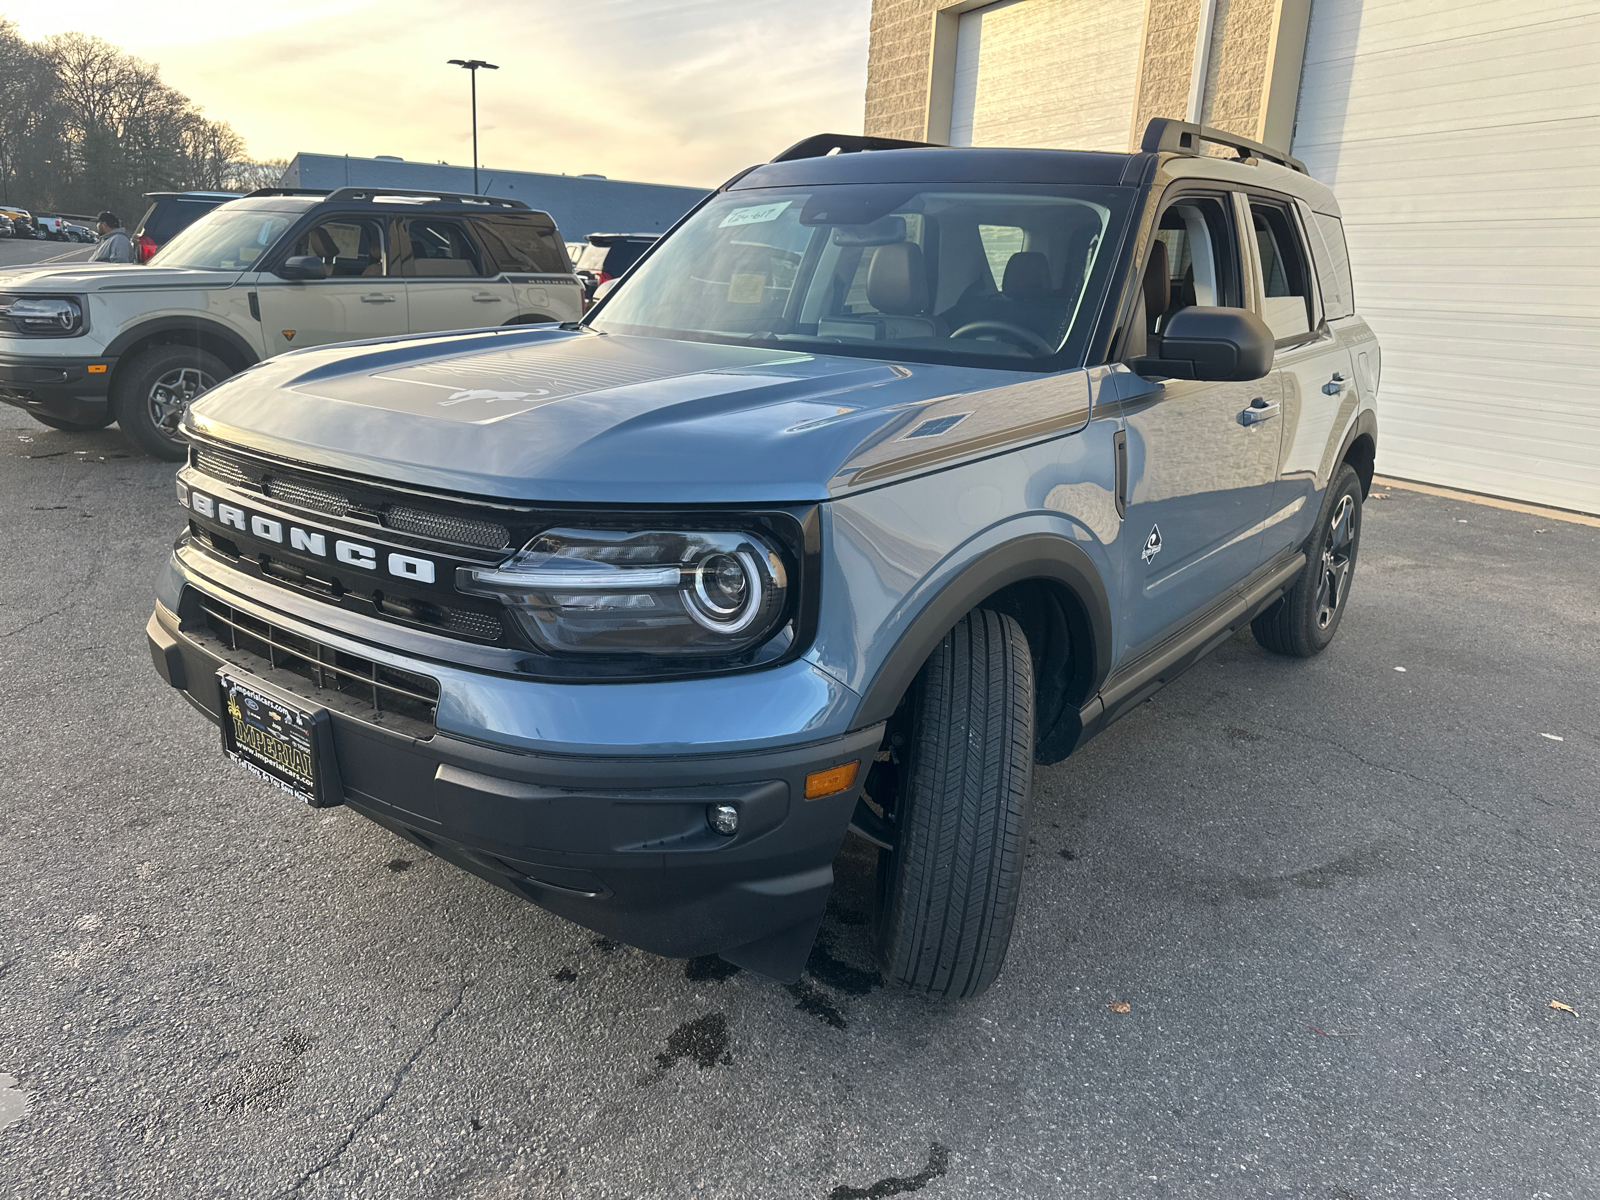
(726,591)
(649,591)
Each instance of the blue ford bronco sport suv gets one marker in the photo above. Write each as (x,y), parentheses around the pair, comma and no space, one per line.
(891,471)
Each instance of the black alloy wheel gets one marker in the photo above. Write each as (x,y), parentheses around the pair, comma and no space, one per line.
(1303,621)
(152,393)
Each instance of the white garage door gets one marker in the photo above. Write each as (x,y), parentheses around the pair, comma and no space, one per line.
(1463,141)
(1058,73)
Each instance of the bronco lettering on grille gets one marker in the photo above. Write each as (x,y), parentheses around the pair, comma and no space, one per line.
(314,542)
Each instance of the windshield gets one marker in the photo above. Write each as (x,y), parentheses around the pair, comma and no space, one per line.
(993,275)
(228,238)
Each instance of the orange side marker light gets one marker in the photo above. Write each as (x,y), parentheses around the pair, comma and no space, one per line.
(831,781)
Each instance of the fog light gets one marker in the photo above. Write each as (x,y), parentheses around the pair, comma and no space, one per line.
(724,818)
(830,782)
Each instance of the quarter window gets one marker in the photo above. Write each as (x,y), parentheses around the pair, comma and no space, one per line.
(1286,304)
(518,244)
(1333,266)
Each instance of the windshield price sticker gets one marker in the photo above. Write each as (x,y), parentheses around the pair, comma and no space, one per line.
(758,214)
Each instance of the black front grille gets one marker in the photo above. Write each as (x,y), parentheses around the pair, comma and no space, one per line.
(447,527)
(303,495)
(378,689)
(473,624)
(367,503)
(221,466)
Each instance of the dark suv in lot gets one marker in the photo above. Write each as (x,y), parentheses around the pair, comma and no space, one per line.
(893,471)
(606,256)
(169,214)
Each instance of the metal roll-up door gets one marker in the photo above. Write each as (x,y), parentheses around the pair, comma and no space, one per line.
(1055,73)
(1463,142)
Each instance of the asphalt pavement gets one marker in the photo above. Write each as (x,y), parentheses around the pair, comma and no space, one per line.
(30,252)
(1336,897)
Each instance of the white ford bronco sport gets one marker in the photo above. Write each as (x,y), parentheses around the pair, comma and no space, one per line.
(85,344)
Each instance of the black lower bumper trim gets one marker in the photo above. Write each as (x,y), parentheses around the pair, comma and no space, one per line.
(64,388)
(619,844)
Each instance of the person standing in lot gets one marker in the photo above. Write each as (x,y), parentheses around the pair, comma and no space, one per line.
(115,244)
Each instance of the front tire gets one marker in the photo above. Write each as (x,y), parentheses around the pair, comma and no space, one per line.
(1303,621)
(963,745)
(152,393)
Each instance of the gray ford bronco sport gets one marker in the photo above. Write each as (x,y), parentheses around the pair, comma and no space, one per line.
(890,472)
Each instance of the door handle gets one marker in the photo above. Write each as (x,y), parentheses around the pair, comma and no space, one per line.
(1259,411)
(1334,386)
(378,298)
(486,298)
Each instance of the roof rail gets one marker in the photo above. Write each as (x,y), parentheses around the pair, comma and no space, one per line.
(374,193)
(1182,137)
(821,144)
(378,193)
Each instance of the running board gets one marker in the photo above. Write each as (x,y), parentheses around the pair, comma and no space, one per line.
(1126,689)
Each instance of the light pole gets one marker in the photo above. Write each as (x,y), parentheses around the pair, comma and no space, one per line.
(472,64)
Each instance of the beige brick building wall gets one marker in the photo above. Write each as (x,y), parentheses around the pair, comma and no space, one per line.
(1252,76)
(898,56)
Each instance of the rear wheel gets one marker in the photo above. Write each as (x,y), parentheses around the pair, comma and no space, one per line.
(152,393)
(1304,620)
(955,795)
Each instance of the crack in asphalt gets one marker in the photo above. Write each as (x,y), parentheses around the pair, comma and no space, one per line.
(377,1109)
(1379,766)
(30,624)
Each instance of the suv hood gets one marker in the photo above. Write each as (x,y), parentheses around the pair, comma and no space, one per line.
(564,416)
(108,277)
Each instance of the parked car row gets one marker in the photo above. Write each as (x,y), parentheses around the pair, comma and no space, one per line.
(84,344)
(19,223)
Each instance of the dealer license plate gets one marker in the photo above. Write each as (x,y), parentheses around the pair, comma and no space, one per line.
(276,741)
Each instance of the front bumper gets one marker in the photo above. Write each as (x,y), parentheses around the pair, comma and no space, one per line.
(60,387)
(617,843)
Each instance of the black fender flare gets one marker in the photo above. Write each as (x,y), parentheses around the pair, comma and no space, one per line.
(1034,556)
(1364,424)
(181,325)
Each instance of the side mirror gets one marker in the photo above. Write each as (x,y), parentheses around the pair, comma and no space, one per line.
(303,266)
(1224,345)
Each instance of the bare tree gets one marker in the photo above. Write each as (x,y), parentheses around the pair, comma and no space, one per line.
(246,176)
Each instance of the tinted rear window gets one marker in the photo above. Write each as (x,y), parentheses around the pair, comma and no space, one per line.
(519,244)
(173,215)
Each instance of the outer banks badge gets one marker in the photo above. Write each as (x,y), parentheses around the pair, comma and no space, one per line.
(1152,545)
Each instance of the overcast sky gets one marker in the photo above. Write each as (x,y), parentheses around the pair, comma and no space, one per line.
(669,91)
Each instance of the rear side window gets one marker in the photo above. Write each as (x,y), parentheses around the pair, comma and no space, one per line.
(167,217)
(517,244)
(1333,265)
(1286,282)
(438,249)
